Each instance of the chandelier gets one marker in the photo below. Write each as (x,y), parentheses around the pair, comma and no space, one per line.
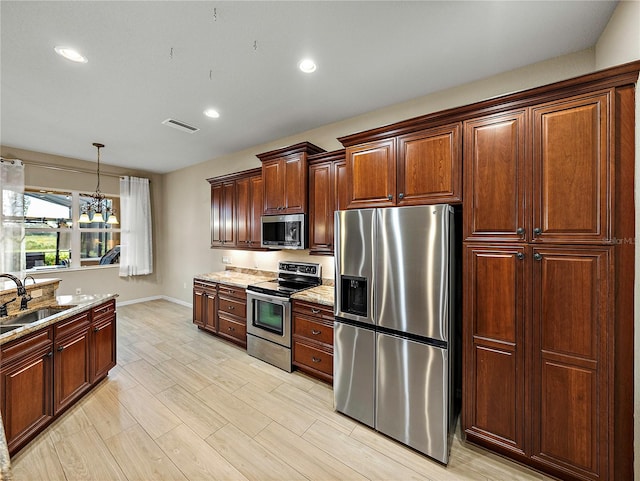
(93,210)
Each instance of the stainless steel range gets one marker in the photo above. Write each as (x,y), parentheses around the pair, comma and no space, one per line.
(269,311)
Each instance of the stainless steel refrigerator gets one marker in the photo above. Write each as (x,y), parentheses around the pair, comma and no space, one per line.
(394,303)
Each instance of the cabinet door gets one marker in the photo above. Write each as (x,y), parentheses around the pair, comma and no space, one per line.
(430,166)
(371,170)
(255,213)
(341,187)
(571,351)
(210,311)
(103,347)
(495,178)
(272,176)
(217,222)
(572,170)
(295,184)
(227,214)
(71,368)
(321,208)
(243,212)
(198,310)
(494,346)
(25,390)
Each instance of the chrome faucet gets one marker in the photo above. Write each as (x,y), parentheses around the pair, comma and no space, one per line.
(21,290)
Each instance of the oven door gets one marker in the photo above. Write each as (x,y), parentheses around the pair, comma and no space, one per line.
(269,317)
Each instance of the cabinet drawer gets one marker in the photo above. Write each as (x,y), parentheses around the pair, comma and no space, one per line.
(233,307)
(313,310)
(312,357)
(103,310)
(68,326)
(205,286)
(232,328)
(233,291)
(26,344)
(313,330)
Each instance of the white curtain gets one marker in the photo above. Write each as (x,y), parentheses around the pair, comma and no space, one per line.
(136,255)
(12,256)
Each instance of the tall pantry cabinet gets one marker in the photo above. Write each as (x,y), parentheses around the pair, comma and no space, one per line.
(543,212)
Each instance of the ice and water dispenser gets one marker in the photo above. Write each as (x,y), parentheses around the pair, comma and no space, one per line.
(353,295)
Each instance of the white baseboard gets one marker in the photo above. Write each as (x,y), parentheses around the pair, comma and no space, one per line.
(155,298)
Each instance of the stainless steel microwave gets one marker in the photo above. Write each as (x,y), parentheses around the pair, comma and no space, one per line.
(287,231)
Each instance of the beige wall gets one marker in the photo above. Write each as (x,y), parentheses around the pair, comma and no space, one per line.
(104,280)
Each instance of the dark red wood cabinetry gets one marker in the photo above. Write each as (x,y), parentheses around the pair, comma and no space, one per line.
(313,339)
(44,373)
(284,173)
(221,309)
(327,193)
(236,207)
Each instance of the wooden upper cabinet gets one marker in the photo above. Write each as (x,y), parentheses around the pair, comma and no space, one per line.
(495,177)
(572,303)
(284,175)
(236,207)
(572,170)
(371,170)
(327,193)
(421,167)
(429,166)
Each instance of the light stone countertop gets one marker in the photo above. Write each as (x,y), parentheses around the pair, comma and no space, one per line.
(235,278)
(323,294)
(7,285)
(79,303)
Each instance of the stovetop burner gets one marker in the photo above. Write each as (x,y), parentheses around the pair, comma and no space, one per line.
(292,277)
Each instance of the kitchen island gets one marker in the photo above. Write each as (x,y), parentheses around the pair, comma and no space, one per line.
(48,364)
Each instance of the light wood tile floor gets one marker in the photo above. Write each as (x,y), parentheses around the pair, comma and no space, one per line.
(184,405)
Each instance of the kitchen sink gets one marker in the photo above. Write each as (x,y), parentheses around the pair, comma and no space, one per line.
(9,327)
(24,319)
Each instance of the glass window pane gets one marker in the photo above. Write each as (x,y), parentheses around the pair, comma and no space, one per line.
(47,209)
(51,248)
(95,245)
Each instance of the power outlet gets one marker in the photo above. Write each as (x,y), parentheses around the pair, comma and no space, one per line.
(78,290)
(226,260)
(185,285)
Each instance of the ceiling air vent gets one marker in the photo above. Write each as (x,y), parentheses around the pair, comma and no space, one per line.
(176,124)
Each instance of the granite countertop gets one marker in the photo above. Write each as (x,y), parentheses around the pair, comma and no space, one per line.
(323,294)
(76,305)
(236,278)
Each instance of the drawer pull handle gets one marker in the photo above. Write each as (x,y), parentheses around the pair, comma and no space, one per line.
(231,328)
(315,311)
(315,332)
(231,308)
(316,359)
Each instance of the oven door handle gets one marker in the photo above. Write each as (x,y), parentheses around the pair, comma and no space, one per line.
(266,297)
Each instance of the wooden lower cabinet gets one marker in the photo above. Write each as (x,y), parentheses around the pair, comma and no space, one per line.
(44,373)
(72,374)
(221,309)
(313,339)
(538,355)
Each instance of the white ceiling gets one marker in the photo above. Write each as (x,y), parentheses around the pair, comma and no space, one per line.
(241,58)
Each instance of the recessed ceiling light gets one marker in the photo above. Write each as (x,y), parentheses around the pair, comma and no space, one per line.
(71,54)
(212,113)
(307,65)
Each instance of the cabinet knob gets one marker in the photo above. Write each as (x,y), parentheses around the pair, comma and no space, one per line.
(537,231)
(400,195)
(520,231)
(537,256)
(315,332)
(95,329)
(520,255)
(316,359)
(389,197)
(60,348)
(50,354)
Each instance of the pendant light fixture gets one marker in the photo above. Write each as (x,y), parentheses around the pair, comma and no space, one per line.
(93,210)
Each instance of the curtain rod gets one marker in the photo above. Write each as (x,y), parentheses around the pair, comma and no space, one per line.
(63,168)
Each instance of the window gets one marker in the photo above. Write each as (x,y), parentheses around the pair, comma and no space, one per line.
(54,237)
